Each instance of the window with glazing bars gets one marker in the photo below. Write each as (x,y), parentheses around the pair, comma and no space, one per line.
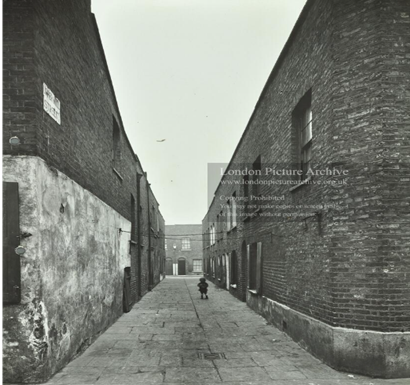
(303,119)
(197,265)
(186,244)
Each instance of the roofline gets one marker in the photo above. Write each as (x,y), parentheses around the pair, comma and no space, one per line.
(101,48)
(104,59)
(275,70)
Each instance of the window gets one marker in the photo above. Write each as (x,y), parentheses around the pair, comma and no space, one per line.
(133,219)
(154,219)
(212,234)
(166,246)
(231,213)
(228,216)
(221,225)
(116,139)
(233,210)
(255,266)
(257,172)
(303,118)
(306,141)
(197,265)
(186,244)
(246,191)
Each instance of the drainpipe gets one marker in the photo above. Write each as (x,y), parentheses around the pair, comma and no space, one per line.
(149,236)
(139,238)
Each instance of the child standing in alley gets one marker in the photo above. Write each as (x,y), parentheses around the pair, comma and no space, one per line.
(203,288)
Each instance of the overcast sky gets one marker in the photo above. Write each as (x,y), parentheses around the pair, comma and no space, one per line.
(189,72)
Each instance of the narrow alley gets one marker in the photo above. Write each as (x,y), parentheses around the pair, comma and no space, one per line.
(172,336)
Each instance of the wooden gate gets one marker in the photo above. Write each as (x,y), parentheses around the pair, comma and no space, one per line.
(11,239)
(127,300)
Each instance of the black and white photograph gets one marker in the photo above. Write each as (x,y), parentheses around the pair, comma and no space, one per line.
(204,192)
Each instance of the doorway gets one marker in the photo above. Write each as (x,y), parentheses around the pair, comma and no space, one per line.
(168,267)
(181,266)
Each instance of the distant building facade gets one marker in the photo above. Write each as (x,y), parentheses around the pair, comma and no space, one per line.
(183,245)
(77,203)
(310,222)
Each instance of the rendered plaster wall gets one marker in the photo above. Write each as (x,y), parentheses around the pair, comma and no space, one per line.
(71,274)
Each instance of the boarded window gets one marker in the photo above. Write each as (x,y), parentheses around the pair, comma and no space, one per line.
(11,239)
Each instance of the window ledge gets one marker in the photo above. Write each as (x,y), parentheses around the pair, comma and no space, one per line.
(133,242)
(120,177)
(233,286)
(252,214)
(301,183)
(254,292)
(232,229)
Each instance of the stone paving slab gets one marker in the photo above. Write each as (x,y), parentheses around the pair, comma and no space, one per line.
(166,337)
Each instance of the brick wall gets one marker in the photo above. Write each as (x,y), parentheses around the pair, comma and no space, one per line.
(174,235)
(20,103)
(351,256)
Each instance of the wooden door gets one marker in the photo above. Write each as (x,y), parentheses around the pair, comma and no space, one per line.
(181,267)
(11,239)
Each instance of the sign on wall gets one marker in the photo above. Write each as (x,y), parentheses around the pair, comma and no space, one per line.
(51,104)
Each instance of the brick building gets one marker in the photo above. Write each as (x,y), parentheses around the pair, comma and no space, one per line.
(310,221)
(76,198)
(183,244)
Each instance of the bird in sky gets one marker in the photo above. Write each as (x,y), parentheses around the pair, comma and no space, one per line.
(161,140)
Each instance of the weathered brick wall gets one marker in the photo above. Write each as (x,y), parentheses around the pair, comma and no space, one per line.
(70,60)
(346,266)
(20,103)
(157,229)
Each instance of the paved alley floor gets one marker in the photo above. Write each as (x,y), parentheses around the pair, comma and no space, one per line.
(167,336)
